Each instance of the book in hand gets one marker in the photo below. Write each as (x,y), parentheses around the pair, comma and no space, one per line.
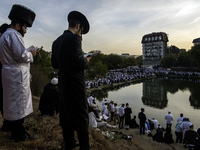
(34,48)
(31,48)
(91,54)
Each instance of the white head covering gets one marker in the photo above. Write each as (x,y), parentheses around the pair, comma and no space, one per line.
(54,81)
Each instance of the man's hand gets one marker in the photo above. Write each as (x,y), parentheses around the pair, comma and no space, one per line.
(88,58)
(33,52)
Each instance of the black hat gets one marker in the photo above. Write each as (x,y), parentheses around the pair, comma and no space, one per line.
(79,16)
(3,28)
(22,13)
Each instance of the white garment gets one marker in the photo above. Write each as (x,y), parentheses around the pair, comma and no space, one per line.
(121,111)
(169,118)
(180,119)
(92,120)
(116,110)
(105,110)
(155,122)
(94,124)
(103,102)
(17,98)
(185,125)
(111,107)
(90,101)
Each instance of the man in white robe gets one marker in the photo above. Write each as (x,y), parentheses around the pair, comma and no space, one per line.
(17,99)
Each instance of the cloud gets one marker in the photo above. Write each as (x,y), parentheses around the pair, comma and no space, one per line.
(116,26)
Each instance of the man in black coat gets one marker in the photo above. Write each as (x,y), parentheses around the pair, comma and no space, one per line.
(128,112)
(142,118)
(67,56)
(49,100)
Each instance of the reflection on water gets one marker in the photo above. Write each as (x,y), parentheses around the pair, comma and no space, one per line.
(173,86)
(154,92)
(158,96)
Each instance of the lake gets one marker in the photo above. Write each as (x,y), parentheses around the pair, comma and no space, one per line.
(157,97)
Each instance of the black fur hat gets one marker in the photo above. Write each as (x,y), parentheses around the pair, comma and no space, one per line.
(22,13)
(79,16)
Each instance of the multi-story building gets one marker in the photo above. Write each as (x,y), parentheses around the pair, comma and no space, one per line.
(154,47)
(196,41)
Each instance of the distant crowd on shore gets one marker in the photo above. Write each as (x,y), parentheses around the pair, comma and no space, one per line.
(120,117)
(120,75)
(131,74)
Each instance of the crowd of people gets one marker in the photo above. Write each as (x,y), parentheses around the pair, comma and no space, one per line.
(134,73)
(120,116)
(120,75)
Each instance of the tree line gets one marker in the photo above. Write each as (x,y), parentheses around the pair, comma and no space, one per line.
(190,58)
(42,71)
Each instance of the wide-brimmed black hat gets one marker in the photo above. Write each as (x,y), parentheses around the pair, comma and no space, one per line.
(75,15)
(22,13)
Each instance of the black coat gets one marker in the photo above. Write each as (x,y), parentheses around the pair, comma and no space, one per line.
(49,100)
(128,112)
(142,117)
(67,56)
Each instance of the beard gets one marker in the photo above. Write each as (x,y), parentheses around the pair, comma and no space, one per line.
(21,31)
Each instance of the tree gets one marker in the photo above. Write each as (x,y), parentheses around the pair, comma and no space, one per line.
(185,59)
(41,71)
(168,61)
(195,53)
(99,69)
(138,61)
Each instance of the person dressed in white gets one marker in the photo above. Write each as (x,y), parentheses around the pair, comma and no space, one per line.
(116,113)
(111,108)
(17,99)
(169,118)
(155,122)
(185,125)
(121,116)
(90,100)
(105,109)
(95,122)
(180,119)
(103,102)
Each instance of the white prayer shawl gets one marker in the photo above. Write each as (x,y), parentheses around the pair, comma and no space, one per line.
(17,98)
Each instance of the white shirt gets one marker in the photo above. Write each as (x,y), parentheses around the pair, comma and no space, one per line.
(155,123)
(169,118)
(105,110)
(111,108)
(180,119)
(121,111)
(90,100)
(103,102)
(116,110)
(185,125)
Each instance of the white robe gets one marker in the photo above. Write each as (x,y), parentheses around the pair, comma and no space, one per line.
(17,98)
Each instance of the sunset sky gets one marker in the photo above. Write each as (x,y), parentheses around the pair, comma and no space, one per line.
(116,26)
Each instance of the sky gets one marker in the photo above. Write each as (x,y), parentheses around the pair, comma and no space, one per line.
(116,26)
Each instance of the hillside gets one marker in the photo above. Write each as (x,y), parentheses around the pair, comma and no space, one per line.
(49,136)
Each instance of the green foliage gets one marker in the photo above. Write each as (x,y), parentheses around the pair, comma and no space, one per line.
(41,71)
(185,59)
(195,53)
(99,69)
(139,61)
(168,61)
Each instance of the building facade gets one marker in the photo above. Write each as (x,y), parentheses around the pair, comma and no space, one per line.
(196,41)
(154,48)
